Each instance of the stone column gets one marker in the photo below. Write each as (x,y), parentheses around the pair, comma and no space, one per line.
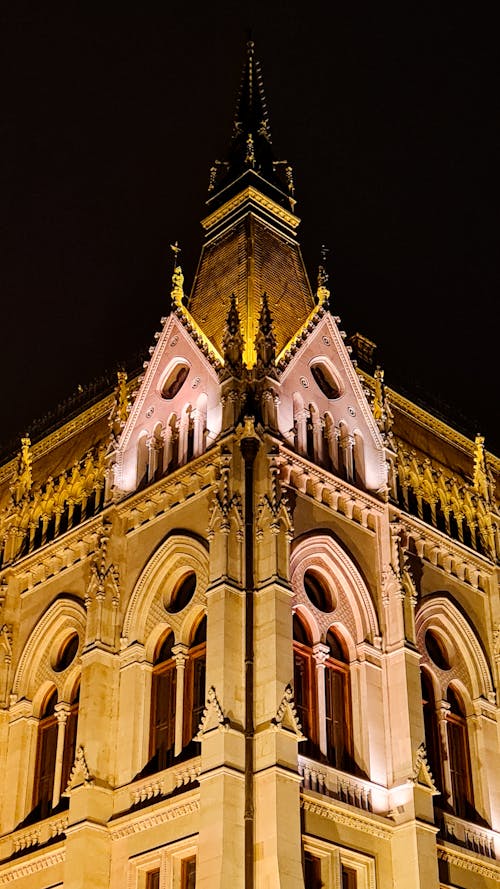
(180,652)
(61,710)
(320,654)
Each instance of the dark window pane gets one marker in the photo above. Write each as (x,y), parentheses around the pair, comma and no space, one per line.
(312,872)
(188,873)
(163,716)
(153,879)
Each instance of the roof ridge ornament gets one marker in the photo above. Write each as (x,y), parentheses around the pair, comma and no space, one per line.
(177,291)
(322,292)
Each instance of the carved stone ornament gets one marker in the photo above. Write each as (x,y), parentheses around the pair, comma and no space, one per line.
(286,715)
(80,774)
(213,716)
(422,774)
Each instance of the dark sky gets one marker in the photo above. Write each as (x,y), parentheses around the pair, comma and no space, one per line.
(111,121)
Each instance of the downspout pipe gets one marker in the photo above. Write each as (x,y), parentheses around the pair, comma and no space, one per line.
(249,448)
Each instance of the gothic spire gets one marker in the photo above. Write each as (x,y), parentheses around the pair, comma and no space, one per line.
(250,151)
(232,341)
(265,340)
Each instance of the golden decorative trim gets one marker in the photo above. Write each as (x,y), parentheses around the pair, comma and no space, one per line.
(250,194)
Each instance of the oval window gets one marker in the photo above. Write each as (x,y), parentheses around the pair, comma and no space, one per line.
(174,380)
(182,593)
(66,653)
(326,381)
(437,651)
(318,592)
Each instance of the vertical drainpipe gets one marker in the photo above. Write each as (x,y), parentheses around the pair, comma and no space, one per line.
(249,448)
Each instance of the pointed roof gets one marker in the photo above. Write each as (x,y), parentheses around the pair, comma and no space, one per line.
(250,244)
(250,158)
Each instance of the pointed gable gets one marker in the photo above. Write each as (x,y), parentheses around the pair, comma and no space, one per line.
(177,410)
(324,411)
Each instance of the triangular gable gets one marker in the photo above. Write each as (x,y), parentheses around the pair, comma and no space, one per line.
(180,376)
(321,376)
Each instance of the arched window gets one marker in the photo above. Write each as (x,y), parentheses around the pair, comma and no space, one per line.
(70,738)
(459,757)
(338,705)
(45,758)
(304,686)
(195,685)
(163,694)
(432,742)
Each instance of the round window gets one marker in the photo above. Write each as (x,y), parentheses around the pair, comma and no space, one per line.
(326,381)
(318,591)
(65,653)
(437,650)
(174,380)
(182,593)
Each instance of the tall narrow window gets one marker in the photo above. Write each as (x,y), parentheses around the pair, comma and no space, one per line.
(338,706)
(460,766)
(162,735)
(46,758)
(312,871)
(70,739)
(195,679)
(303,678)
(188,873)
(432,742)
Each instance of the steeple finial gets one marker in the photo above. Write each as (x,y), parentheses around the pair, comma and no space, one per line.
(177,291)
(251,146)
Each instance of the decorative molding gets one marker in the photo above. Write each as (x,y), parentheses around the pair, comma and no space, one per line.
(80,773)
(350,819)
(213,716)
(422,774)
(225,505)
(250,194)
(24,869)
(148,820)
(466,862)
(274,506)
(286,715)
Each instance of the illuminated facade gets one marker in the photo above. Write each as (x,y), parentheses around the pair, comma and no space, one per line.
(249,606)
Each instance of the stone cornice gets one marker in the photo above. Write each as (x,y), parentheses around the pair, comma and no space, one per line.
(154,816)
(342,814)
(37,862)
(67,550)
(469,861)
(170,490)
(434,541)
(309,479)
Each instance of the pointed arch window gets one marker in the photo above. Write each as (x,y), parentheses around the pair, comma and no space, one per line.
(195,684)
(459,757)
(163,695)
(338,714)
(45,767)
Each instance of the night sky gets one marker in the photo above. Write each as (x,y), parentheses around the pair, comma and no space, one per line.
(111,121)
